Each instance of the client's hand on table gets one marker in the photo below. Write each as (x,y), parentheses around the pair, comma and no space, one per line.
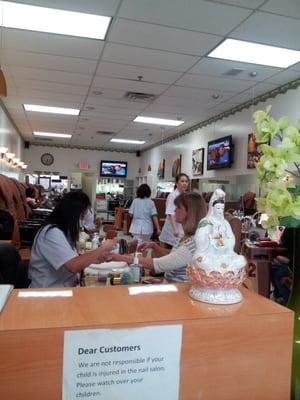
(119,257)
(78,263)
(145,262)
(105,248)
(158,251)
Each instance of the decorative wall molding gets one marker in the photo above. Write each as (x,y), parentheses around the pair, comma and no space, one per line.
(243,106)
(72,147)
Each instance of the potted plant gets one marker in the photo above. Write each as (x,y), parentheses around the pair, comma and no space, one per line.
(278,172)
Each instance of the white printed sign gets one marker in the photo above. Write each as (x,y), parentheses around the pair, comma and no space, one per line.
(123,364)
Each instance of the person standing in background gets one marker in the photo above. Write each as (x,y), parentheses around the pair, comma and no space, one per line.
(173,230)
(144,215)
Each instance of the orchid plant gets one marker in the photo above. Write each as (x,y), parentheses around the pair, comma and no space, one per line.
(278,169)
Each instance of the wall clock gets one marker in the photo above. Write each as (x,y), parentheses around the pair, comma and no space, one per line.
(47,159)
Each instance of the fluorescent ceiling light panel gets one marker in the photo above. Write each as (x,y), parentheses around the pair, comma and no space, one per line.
(239,50)
(50,20)
(128,141)
(50,134)
(158,121)
(52,110)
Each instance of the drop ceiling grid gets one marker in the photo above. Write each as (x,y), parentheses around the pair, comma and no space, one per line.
(162,44)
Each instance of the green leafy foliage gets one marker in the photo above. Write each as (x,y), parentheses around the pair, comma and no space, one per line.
(278,170)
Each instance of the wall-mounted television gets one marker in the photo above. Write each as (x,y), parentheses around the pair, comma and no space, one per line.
(220,153)
(112,169)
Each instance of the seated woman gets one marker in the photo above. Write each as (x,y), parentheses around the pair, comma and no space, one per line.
(54,260)
(190,208)
(31,198)
(215,240)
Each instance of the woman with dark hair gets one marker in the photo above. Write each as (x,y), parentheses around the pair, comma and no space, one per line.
(31,198)
(54,260)
(144,215)
(172,229)
(190,208)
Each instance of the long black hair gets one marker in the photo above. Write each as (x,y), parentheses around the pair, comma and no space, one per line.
(66,215)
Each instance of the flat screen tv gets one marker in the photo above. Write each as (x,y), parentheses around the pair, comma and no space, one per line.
(114,169)
(220,153)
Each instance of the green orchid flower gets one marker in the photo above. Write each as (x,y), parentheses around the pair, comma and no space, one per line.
(278,170)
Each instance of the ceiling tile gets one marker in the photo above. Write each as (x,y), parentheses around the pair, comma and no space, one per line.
(119,103)
(148,58)
(129,85)
(283,77)
(103,7)
(51,86)
(213,83)
(162,38)
(134,72)
(198,15)
(243,3)
(270,29)
(50,76)
(290,8)
(216,67)
(49,62)
(52,96)
(47,43)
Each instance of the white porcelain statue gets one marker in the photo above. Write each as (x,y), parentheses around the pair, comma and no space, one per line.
(216,270)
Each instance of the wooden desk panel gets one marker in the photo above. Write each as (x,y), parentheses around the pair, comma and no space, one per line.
(228,352)
(260,265)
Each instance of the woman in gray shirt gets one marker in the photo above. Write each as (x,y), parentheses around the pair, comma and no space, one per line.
(54,260)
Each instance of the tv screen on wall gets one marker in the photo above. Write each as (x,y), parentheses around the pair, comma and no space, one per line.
(116,169)
(220,153)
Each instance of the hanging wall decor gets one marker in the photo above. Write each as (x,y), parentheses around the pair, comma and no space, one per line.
(197,161)
(176,165)
(161,169)
(253,153)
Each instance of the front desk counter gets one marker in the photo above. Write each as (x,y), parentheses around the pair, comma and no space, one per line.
(240,351)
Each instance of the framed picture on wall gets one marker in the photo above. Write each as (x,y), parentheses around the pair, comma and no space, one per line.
(197,161)
(161,169)
(253,153)
(176,165)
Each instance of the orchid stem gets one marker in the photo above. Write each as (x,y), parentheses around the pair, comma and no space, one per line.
(293,173)
(297,166)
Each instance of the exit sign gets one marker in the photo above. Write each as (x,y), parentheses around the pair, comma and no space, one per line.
(83,165)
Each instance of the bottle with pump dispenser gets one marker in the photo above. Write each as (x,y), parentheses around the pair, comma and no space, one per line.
(135,269)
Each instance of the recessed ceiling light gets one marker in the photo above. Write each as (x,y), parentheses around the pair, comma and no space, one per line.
(52,110)
(253,74)
(128,141)
(97,92)
(50,20)
(50,134)
(158,121)
(239,50)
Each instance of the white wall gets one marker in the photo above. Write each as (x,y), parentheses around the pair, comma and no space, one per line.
(239,126)
(66,161)
(10,138)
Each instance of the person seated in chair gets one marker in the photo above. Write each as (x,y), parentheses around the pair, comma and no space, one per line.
(31,198)
(281,274)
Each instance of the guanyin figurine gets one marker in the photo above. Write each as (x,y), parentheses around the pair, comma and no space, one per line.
(216,270)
